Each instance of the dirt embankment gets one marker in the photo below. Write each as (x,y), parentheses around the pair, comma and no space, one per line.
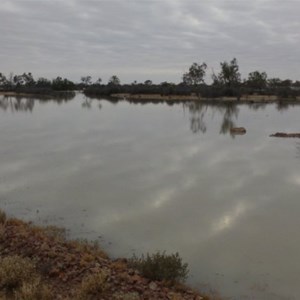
(72,269)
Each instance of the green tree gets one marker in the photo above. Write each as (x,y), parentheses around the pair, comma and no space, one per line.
(274,82)
(114,80)
(98,81)
(195,75)
(60,84)
(86,80)
(28,79)
(43,83)
(229,75)
(148,82)
(257,80)
(3,80)
(286,83)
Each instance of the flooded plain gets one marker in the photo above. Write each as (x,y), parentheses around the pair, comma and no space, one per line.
(146,177)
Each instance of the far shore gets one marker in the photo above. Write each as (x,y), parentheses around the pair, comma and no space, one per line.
(174,98)
(242,99)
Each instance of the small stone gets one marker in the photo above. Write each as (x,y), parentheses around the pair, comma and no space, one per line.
(153,286)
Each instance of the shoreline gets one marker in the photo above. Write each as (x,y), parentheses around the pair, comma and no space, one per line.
(181,98)
(64,265)
(263,99)
(51,94)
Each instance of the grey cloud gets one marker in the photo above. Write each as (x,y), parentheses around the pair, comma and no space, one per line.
(147,39)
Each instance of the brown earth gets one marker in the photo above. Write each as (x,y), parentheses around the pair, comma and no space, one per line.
(286,135)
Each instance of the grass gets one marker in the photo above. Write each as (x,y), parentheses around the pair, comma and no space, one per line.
(19,280)
(14,271)
(93,286)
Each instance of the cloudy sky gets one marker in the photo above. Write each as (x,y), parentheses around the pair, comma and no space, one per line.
(148,39)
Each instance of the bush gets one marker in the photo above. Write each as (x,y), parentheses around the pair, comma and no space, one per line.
(34,291)
(2,217)
(15,271)
(160,266)
(93,286)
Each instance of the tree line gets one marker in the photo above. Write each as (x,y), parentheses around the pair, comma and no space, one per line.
(228,82)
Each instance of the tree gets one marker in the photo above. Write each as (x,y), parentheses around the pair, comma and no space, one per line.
(148,82)
(60,84)
(18,80)
(274,82)
(114,80)
(43,83)
(28,79)
(229,75)
(86,80)
(286,83)
(3,80)
(98,81)
(257,80)
(195,75)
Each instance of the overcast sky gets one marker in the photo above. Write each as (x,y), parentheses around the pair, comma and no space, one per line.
(148,39)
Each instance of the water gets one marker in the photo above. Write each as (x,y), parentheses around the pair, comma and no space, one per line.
(142,178)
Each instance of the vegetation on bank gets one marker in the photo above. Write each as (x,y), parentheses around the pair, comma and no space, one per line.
(39,263)
(227,83)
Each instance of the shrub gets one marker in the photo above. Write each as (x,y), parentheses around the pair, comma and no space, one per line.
(93,286)
(34,291)
(2,217)
(160,266)
(15,271)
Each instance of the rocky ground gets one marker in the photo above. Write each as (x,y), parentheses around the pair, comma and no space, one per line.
(78,270)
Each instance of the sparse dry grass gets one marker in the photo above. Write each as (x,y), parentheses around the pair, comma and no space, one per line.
(34,291)
(20,281)
(15,271)
(93,286)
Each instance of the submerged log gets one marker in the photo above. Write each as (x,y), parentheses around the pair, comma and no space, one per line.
(238,130)
(286,135)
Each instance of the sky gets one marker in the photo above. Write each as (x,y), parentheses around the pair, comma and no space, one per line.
(148,39)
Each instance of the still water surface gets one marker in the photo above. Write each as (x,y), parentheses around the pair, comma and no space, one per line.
(142,178)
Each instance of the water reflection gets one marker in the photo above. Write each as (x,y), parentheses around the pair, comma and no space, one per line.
(16,104)
(228,112)
(87,103)
(298,149)
(26,103)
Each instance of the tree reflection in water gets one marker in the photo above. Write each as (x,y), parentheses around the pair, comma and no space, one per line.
(198,110)
(87,103)
(16,104)
(26,103)
(197,113)
(298,149)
